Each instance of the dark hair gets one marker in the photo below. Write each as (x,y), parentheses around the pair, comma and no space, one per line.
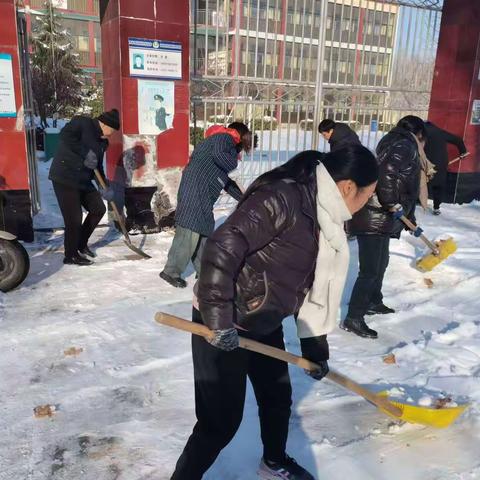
(413,124)
(158,97)
(240,127)
(137,55)
(326,125)
(355,163)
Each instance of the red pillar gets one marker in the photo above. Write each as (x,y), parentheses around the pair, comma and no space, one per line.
(456,87)
(165,20)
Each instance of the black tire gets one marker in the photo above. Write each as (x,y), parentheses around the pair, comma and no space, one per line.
(14,264)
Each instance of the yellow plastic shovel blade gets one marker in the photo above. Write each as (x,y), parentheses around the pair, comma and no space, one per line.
(432,417)
(430,261)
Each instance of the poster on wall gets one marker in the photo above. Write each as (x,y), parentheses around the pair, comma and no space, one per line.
(155,58)
(60,4)
(156,106)
(7,88)
(475,120)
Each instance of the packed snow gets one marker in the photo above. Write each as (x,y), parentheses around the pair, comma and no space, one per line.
(116,389)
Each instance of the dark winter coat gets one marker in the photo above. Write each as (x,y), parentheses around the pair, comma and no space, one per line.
(261,261)
(203,179)
(343,136)
(77,138)
(398,183)
(436,151)
(161,118)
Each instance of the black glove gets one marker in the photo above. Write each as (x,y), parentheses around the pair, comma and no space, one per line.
(91,160)
(107,194)
(316,350)
(226,339)
(319,373)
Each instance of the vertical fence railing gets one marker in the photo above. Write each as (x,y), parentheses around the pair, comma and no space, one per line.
(281,66)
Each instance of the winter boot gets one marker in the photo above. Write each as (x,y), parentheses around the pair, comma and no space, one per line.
(288,469)
(176,282)
(77,260)
(379,309)
(358,327)
(86,252)
(436,211)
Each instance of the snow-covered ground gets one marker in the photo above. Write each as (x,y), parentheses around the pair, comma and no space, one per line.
(124,401)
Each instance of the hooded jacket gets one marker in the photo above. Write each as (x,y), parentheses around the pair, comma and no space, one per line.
(398,183)
(204,178)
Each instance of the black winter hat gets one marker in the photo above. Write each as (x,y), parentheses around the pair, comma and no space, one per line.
(111,118)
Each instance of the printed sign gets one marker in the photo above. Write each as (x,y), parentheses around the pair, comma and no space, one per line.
(475,120)
(7,88)
(156,106)
(155,58)
(63,4)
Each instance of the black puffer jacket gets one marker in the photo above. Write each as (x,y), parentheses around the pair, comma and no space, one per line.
(343,136)
(261,261)
(398,183)
(78,136)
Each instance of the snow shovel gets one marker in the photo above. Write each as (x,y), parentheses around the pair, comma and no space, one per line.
(120,221)
(440,250)
(435,417)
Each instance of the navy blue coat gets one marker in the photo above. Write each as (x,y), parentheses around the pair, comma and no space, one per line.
(203,179)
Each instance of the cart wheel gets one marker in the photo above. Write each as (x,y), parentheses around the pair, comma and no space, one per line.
(14,264)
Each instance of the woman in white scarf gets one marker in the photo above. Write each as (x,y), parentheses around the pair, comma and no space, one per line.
(282,247)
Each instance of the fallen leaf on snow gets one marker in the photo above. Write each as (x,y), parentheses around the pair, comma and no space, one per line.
(428,282)
(44,411)
(390,359)
(442,402)
(73,351)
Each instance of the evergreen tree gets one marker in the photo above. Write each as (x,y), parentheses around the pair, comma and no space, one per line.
(56,73)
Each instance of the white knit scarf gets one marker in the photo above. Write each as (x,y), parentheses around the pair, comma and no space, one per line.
(319,312)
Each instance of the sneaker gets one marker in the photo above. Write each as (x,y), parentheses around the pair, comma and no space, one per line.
(176,282)
(379,309)
(358,327)
(77,260)
(87,252)
(289,469)
(436,211)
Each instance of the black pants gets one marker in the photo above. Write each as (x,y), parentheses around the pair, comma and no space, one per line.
(71,201)
(220,387)
(373,255)
(437,195)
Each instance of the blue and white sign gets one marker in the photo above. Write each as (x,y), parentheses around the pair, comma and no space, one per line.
(7,88)
(155,58)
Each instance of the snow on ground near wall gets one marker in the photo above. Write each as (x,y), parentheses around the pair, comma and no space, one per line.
(125,403)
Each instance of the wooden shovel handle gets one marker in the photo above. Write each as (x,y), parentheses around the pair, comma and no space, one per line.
(116,213)
(254,346)
(461,157)
(413,227)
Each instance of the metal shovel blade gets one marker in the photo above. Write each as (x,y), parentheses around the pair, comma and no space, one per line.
(135,249)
